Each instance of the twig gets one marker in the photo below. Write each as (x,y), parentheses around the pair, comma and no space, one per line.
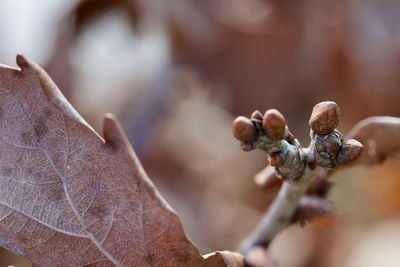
(280,212)
(294,164)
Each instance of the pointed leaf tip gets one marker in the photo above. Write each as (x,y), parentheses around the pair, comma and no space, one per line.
(22,61)
(113,132)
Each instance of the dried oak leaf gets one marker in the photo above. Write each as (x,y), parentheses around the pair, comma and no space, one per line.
(69,197)
(380,137)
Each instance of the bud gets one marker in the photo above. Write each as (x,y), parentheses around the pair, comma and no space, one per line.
(276,159)
(289,137)
(349,152)
(246,146)
(325,117)
(274,124)
(244,130)
(257,115)
(326,148)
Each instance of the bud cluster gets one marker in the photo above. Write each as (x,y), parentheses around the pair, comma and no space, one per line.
(270,133)
(327,145)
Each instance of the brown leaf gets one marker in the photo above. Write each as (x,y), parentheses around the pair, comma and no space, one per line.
(71,197)
(258,257)
(380,137)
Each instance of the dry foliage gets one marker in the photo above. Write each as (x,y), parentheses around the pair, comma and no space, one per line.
(380,135)
(71,197)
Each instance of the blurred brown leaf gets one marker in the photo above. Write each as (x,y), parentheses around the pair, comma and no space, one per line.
(380,137)
(68,196)
(311,208)
(258,257)
(222,258)
(267,178)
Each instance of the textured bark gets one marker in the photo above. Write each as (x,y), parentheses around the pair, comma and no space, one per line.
(280,213)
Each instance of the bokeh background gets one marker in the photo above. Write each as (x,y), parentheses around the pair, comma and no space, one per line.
(177,72)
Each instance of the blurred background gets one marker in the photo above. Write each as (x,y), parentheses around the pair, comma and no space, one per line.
(177,72)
